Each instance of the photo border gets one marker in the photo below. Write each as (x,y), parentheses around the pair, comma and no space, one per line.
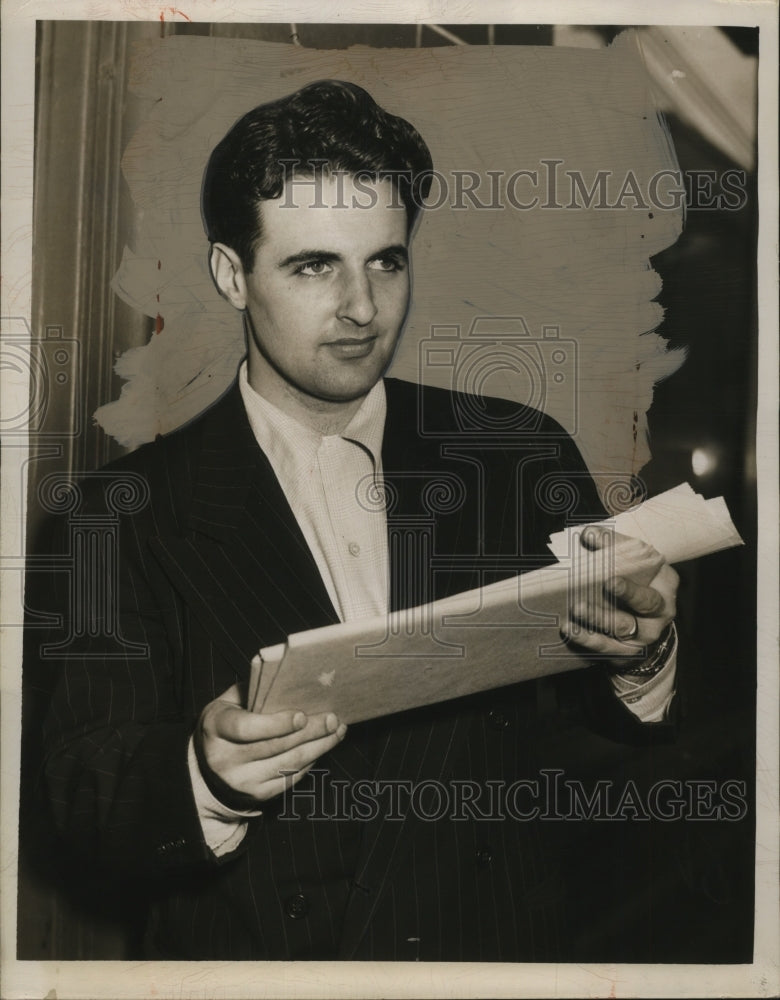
(304,979)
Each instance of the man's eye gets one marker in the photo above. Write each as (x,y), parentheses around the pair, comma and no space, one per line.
(386,264)
(312,268)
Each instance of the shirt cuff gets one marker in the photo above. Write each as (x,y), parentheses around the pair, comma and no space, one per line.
(649,700)
(223,828)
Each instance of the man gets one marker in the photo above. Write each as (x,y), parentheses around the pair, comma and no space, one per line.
(260,523)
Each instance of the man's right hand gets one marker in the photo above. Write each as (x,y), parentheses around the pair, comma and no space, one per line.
(246,758)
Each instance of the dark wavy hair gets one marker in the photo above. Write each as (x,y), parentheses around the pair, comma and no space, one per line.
(330,121)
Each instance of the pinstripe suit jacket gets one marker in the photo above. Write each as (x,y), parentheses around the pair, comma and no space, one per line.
(207,564)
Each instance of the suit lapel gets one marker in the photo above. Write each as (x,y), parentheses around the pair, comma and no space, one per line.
(433,508)
(242,564)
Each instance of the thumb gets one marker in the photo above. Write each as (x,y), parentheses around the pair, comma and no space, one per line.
(595,538)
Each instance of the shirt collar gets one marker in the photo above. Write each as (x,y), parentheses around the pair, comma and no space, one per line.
(282,436)
(367,427)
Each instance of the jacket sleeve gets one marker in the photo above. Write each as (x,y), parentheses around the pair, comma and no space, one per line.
(115,735)
(568,494)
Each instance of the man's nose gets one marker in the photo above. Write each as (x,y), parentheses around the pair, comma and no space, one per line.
(357,299)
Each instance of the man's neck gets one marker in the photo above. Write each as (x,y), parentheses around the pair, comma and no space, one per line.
(322,415)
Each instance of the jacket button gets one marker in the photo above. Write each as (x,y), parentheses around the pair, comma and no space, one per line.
(499,720)
(484,856)
(297,906)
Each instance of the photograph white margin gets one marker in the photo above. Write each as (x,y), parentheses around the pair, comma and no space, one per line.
(301,979)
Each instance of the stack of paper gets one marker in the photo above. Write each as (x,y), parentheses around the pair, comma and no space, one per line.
(483,638)
(680,524)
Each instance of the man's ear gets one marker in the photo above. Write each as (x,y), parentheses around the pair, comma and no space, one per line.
(227,271)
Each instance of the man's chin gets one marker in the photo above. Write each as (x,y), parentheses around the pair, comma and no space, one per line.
(347,390)
(344,396)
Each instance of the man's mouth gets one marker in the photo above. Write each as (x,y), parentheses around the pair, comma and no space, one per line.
(352,347)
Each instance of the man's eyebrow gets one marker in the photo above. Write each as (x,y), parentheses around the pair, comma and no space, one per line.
(395,250)
(303,256)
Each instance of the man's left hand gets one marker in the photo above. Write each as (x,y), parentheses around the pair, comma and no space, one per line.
(623,625)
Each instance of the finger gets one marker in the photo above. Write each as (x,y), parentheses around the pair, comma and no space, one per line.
(304,755)
(599,644)
(616,624)
(246,795)
(637,552)
(597,616)
(281,784)
(237,725)
(640,600)
(666,582)
(317,726)
(264,779)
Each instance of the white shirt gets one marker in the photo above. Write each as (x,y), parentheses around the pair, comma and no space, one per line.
(333,484)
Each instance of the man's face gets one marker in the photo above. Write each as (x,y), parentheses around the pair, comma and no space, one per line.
(328,293)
